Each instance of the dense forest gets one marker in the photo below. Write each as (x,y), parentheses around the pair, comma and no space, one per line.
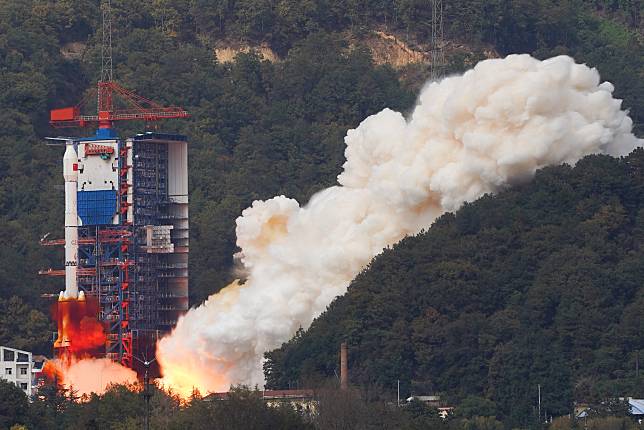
(261,128)
(539,285)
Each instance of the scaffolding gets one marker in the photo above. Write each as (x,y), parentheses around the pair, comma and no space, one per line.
(161,220)
(104,267)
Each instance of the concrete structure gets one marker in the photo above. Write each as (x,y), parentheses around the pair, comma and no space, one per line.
(17,368)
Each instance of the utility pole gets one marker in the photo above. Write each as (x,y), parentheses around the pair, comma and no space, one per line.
(539,405)
(398,393)
(438,56)
(147,394)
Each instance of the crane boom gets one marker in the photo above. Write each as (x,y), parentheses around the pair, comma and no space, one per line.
(137,108)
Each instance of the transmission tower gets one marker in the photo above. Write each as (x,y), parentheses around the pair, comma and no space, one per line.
(438,56)
(106,46)
(131,106)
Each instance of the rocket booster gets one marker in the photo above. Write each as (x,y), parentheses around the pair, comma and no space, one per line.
(70,173)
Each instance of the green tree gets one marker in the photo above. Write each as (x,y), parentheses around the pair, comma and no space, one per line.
(14,407)
(473,406)
(24,327)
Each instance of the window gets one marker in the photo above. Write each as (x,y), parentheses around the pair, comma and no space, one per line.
(8,355)
(23,385)
(23,370)
(7,371)
(23,358)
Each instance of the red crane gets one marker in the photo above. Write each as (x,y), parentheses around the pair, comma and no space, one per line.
(133,106)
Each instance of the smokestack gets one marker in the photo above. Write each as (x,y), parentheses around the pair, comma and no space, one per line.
(344,367)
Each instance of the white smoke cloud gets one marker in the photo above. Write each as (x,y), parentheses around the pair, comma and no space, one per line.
(468,135)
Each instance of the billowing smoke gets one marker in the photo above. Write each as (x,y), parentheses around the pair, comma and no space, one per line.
(468,135)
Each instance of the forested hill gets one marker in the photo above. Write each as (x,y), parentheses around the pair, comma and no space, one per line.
(541,284)
(258,128)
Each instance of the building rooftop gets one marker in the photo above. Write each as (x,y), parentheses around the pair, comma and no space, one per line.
(637,406)
(270,395)
(160,136)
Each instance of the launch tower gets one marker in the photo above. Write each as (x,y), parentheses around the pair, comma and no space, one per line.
(126,217)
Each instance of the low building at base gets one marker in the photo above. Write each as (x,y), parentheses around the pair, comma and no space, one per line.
(17,367)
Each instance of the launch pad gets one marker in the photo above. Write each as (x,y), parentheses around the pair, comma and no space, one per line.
(126,225)
(126,237)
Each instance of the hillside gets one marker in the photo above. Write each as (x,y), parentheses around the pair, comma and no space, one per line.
(540,284)
(258,128)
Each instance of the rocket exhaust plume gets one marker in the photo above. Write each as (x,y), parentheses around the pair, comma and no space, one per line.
(81,337)
(88,375)
(468,135)
(79,332)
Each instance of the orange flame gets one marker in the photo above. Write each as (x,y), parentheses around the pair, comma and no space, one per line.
(184,382)
(186,371)
(87,375)
(80,334)
(81,338)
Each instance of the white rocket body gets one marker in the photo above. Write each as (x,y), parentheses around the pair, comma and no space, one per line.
(70,173)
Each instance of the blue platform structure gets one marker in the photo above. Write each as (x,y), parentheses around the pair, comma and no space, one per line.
(96,207)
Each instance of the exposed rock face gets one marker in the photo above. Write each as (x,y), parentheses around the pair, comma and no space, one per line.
(73,50)
(227,53)
(388,49)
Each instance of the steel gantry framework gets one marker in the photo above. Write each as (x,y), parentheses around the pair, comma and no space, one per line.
(114,102)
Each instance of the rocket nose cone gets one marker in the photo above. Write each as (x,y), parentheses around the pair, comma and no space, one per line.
(69,153)
(70,164)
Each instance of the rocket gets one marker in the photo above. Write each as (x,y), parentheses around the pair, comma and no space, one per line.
(70,295)
(70,173)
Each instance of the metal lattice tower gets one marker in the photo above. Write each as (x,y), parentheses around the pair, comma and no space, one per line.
(438,56)
(131,107)
(106,46)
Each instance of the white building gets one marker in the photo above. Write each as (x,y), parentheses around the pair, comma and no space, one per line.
(16,366)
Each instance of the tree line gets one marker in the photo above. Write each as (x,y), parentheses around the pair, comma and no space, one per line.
(124,408)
